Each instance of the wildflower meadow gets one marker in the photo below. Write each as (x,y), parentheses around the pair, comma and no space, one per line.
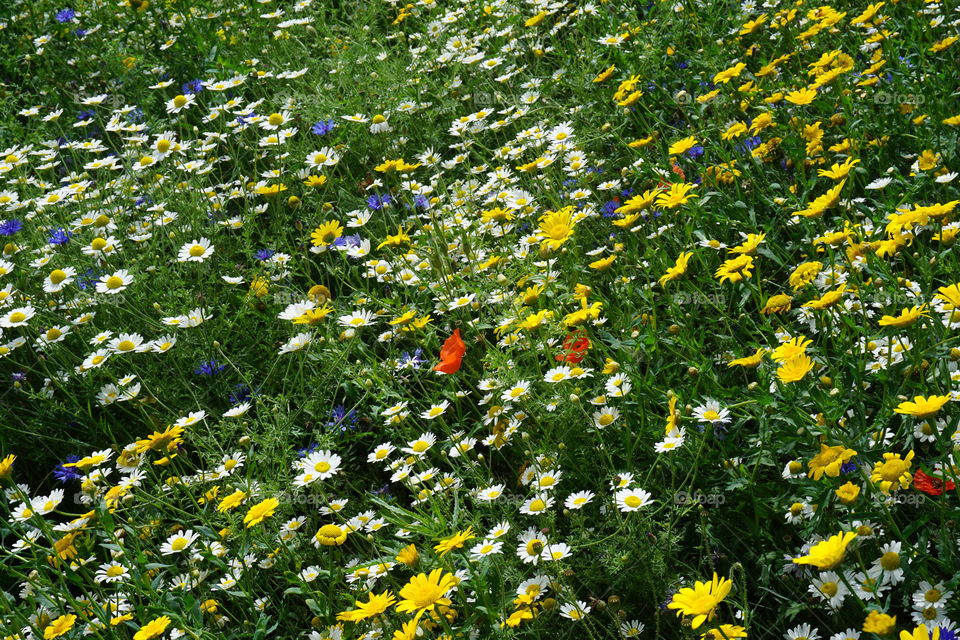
(491,319)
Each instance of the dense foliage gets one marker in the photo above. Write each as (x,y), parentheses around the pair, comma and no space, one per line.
(457,319)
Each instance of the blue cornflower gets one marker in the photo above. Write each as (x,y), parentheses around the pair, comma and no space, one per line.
(10,227)
(339,416)
(947,634)
(348,242)
(209,368)
(609,208)
(377,201)
(65,15)
(695,151)
(411,361)
(79,32)
(421,202)
(18,376)
(86,114)
(264,254)
(682,65)
(850,466)
(59,236)
(194,86)
(749,144)
(87,279)
(323,127)
(65,474)
(305,451)
(241,393)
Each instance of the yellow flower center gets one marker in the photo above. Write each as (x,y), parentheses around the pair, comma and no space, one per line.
(538,505)
(420,446)
(53,334)
(114,282)
(113,572)
(101,221)
(864,530)
(891,470)
(126,345)
(179,101)
(605,419)
(330,531)
(18,316)
(829,589)
(711,415)
(179,544)
(163,146)
(98,244)
(633,502)
(57,276)
(196,251)
(890,561)
(275,119)
(322,467)
(933,595)
(377,119)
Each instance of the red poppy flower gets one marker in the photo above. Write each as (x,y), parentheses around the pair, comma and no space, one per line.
(931,485)
(451,354)
(574,347)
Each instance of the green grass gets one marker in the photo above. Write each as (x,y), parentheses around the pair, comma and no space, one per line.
(444,245)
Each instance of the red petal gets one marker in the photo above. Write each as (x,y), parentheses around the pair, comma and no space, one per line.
(451,354)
